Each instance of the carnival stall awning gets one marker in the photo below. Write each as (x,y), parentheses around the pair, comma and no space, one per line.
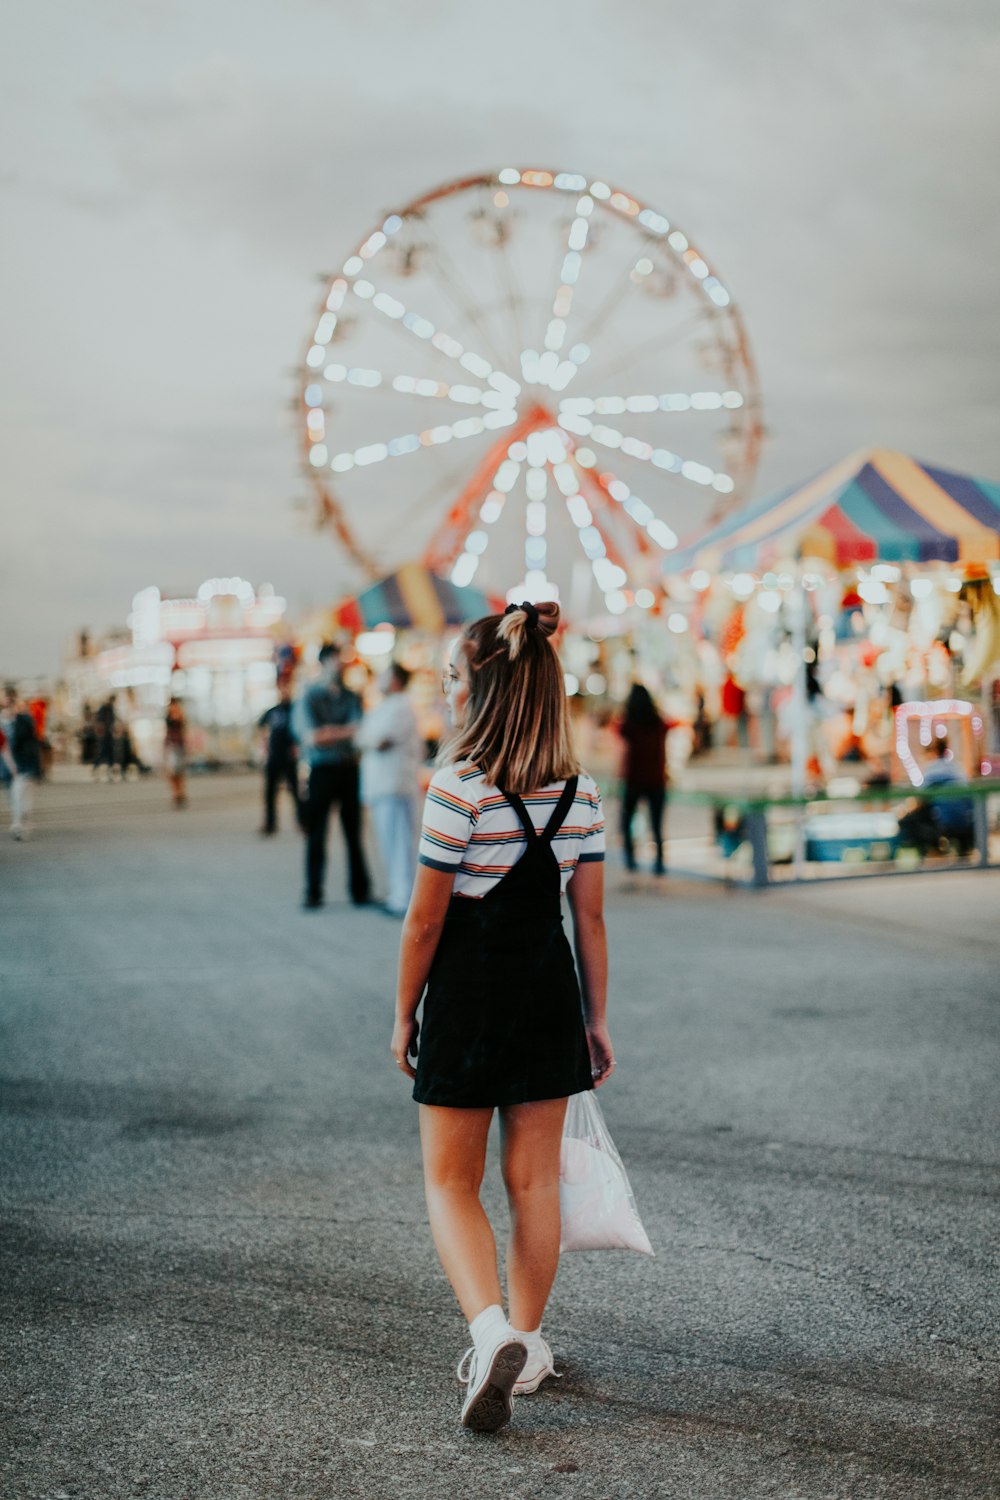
(875,505)
(411,599)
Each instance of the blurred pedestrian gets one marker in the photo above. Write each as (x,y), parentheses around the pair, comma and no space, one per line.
(324,721)
(511,822)
(644,770)
(105,724)
(391,754)
(25,754)
(929,824)
(175,751)
(87,736)
(281,763)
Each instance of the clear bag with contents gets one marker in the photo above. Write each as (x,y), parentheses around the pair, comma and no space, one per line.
(596,1201)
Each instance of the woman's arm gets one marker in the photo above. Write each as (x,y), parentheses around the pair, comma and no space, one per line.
(421,933)
(586,899)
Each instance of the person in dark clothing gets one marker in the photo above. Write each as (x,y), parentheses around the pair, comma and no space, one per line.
(323,722)
(644,771)
(281,767)
(929,825)
(105,723)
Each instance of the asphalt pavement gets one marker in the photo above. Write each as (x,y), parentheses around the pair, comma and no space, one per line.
(217,1281)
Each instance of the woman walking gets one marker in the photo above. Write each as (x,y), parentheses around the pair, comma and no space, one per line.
(510,823)
(644,773)
(175,751)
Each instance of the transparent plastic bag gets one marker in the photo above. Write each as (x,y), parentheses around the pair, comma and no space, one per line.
(596,1201)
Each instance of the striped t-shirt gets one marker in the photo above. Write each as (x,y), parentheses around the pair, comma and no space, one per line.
(470,827)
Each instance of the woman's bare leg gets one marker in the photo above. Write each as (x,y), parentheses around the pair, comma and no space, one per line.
(532,1136)
(453,1142)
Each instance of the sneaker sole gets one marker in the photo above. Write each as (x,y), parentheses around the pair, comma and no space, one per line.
(490,1407)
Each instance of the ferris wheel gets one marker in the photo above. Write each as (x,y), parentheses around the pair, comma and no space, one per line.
(532,380)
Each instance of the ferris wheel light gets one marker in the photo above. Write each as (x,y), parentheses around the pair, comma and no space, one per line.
(565,478)
(586,458)
(494,419)
(643,266)
(593,543)
(698,267)
(338,291)
(537,179)
(579,230)
(446,344)
(641,403)
(325,328)
(615,602)
(664,459)
(677,241)
(608,406)
(608,437)
(372,245)
(724,484)
(504,384)
(392,224)
(563,303)
(618,490)
(585,207)
(677,623)
(645,598)
(318,455)
(340,463)
(364,289)
(547,367)
(700,473)
(313,395)
(571,267)
(509,176)
(639,510)
(505,477)
(316,356)
(570,182)
(388,305)
(535,552)
(624,204)
(399,446)
(464,570)
(467,427)
(662,533)
(315,423)
(700,580)
(477,542)
(732,399)
(536,487)
(373,453)
(418,325)
(491,508)
(637,448)
(476,365)
(600,190)
(579,353)
(706,400)
(654,222)
(580,512)
(353,265)
(564,374)
(465,395)
(720,296)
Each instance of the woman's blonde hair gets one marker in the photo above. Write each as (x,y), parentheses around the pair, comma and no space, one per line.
(516,727)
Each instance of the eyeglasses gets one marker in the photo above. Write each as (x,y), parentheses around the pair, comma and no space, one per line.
(449,678)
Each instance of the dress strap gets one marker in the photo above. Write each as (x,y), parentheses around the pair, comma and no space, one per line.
(521,810)
(560,811)
(558,818)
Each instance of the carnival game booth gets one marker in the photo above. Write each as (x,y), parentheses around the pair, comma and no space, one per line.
(864,605)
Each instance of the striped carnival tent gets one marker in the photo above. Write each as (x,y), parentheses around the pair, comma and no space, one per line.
(411,599)
(874,505)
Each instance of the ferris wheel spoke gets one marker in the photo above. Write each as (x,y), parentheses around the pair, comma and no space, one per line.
(411,322)
(551,366)
(677,401)
(638,448)
(660,344)
(636,509)
(416,442)
(449,281)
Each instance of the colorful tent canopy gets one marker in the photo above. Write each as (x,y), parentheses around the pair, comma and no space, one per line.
(411,599)
(875,504)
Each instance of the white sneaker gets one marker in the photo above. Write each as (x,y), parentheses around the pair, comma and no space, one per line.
(490,1374)
(538,1367)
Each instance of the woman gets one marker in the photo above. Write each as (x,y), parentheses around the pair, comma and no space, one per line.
(510,822)
(644,773)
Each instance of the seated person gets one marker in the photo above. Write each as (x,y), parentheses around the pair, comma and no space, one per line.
(928,822)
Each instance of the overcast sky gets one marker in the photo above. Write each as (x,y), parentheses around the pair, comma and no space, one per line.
(176,174)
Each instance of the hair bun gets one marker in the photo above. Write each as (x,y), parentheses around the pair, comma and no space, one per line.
(518,619)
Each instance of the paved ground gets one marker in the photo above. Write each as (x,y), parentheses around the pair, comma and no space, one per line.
(217,1281)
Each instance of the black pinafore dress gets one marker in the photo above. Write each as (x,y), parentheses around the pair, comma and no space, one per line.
(502,1018)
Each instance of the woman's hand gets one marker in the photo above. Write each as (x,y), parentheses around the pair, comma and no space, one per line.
(602,1057)
(404,1042)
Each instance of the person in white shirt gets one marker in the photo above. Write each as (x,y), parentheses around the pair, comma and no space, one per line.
(391,752)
